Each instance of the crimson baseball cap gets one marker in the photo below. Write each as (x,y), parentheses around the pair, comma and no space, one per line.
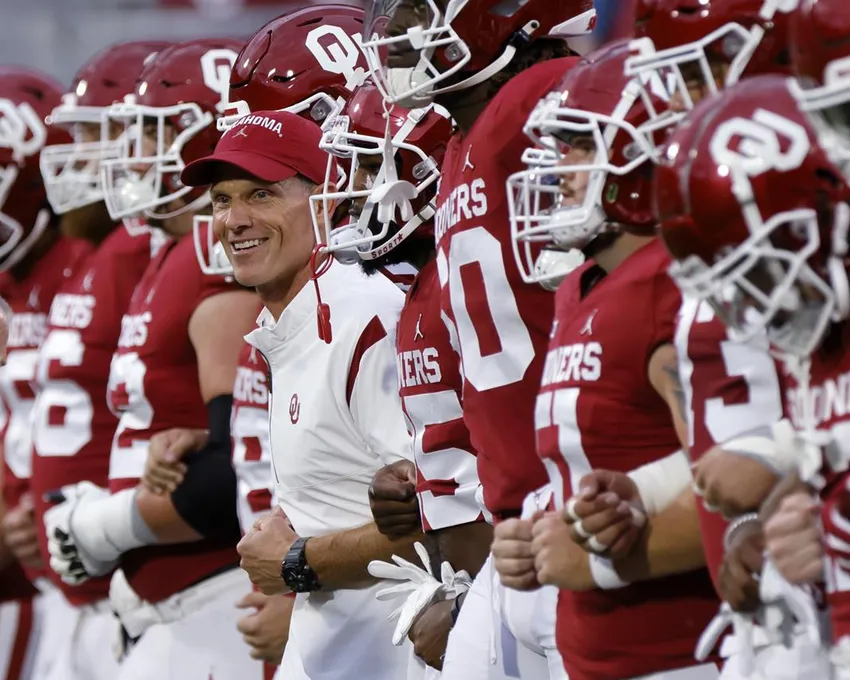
(270,145)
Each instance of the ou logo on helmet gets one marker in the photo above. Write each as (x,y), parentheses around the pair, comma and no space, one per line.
(216,66)
(339,55)
(754,145)
(21,129)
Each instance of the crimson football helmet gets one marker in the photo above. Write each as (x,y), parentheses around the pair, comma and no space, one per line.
(714,40)
(460,43)
(26,100)
(170,121)
(598,109)
(408,146)
(307,62)
(71,171)
(754,214)
(820,59)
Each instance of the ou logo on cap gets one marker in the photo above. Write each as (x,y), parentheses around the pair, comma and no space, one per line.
(339,56)
(216,66)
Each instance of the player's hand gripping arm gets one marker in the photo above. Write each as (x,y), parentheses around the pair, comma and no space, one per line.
(203,504)
(669,544)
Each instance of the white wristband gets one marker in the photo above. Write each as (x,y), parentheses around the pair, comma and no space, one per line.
(105,528)
(603,573)
(662,481)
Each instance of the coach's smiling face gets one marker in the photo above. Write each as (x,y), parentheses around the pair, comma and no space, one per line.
(267,233)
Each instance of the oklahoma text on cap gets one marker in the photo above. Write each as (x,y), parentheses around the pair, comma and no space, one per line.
(270,145)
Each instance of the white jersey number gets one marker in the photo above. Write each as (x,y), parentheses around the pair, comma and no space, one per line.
(127,389)
(16,384)
(749,361)
(480,249)
(558,409)
(63,411)
(423,411)
(249,427)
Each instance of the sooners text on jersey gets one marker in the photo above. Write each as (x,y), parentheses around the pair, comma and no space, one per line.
(153,386)
(502,324)
(72,426)
(430,389)
(597,409)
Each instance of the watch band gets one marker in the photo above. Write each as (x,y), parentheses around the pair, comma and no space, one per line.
(295,571)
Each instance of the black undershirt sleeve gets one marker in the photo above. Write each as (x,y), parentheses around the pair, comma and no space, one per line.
(206,500)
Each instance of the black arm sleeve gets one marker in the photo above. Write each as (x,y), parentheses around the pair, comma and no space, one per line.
(206,499)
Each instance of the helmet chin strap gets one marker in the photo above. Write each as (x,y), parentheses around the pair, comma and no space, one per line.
(836,263)
(498,65)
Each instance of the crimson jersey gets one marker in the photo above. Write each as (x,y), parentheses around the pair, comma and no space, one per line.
(827,402)
(430,387)
(249,432)
(597,409)
(731,389)
(153,387)
(502,324)
(72,426)
(29,299)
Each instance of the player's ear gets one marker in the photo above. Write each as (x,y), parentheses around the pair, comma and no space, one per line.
(326,207)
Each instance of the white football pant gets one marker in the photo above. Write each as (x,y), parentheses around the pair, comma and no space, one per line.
(502,633)
(291,666)
(803,659)
(20,627)
(705,671)
(77,643)
(197,638)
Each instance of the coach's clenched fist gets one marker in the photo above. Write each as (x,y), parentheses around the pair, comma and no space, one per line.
(263,548)
(392,498)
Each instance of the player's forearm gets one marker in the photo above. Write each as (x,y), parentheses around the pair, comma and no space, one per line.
(465,546)
(671,544)
(160,515)
(340,560)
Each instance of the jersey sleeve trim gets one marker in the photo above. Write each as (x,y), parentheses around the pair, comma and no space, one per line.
(372,334)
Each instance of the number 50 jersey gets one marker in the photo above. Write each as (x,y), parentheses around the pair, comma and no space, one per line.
(502,323)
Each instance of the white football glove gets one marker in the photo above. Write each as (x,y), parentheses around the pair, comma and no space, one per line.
(70,556)
(742,628)
(418,586)
(789,610)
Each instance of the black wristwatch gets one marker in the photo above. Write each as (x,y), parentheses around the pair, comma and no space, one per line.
(295,571)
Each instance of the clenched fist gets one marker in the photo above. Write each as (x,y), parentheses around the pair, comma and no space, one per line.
(512,555)
(392,498)
(606,515)
(732,483)
(794,539)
